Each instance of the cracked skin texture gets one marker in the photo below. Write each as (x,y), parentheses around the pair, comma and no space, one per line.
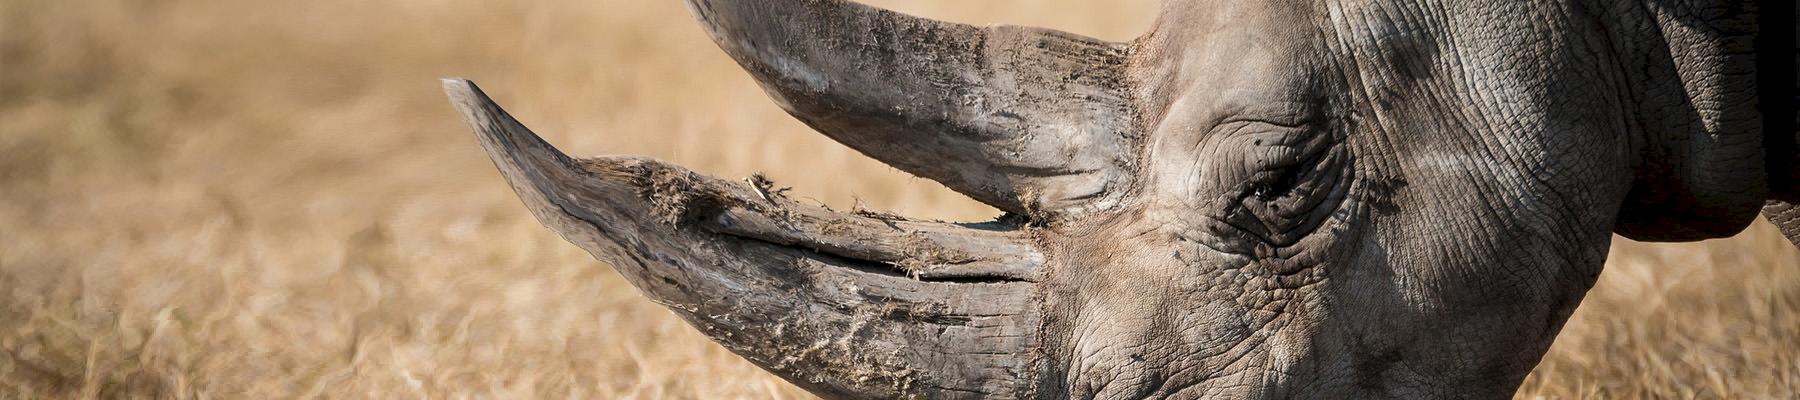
(1254,200)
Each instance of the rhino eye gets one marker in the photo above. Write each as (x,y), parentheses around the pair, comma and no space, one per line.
(1284,179)
(1263,191)
(1280,162)
(1293,179)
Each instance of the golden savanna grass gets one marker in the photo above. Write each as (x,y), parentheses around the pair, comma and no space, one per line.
(229,199)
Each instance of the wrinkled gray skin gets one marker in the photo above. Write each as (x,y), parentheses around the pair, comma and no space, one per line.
(1257,199)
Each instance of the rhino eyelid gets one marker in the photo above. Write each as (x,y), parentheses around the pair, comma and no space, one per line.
(1287,176)
(1262,132)
(1286,179)
(1292,123)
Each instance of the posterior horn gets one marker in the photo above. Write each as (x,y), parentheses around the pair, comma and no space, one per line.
(1031,121)
(842,305)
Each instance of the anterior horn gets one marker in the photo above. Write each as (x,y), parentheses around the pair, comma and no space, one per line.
(1031,121)
(842,305)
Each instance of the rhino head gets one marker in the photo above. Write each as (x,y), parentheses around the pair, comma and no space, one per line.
(1255,199)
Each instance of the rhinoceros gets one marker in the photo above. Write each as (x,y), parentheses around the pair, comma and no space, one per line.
(1256,199)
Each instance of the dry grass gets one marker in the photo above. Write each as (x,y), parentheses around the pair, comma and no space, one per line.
(211,198)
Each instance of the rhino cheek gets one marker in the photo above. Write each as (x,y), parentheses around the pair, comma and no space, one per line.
(1144,324)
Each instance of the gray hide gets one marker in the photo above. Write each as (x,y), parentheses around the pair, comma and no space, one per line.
(1256,199)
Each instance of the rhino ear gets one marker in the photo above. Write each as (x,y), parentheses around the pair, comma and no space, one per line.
(1704,187)
(1708,165)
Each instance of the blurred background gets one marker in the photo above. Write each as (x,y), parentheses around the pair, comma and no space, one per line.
(231,199)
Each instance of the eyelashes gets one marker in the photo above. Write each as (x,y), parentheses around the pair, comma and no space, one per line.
(1286,179)
(1284,170)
